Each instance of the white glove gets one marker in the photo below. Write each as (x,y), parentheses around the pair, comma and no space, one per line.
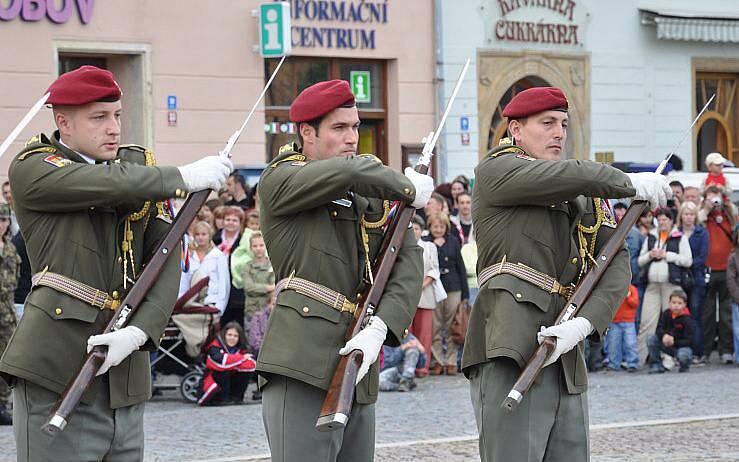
(369,340)
(207,173)
(121,343)
(651,187)
(568,334)
(424,186)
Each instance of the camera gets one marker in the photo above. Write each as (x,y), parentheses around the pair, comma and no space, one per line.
(715,201)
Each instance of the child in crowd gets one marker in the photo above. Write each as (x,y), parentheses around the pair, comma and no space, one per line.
(715,166)
(252,220)
(674,335)
(400,364)
(228,368)
(258,277)
(621,337)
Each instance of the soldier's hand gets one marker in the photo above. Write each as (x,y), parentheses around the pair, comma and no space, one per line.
(207,173)
(568,334)
(369,340)
(651,187)
(424,186)
(121,343)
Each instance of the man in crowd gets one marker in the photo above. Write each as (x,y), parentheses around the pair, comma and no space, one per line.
(238,188)
(692,194)
(75,194)
(463,220)
(319,199)
(539,224)
(717,216)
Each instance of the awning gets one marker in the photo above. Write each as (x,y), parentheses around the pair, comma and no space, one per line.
(718,25)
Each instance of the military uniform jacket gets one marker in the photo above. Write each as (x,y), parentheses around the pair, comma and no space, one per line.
(72,216)
(310,216)
(528,211)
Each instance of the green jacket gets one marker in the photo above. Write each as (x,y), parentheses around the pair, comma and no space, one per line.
(528,211)
(309,232)
(72,217)
(256,278)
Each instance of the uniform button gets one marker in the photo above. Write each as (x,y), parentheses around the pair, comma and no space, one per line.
(178,192)
(574,261)
(58,311)
(120,259)
(306,309)
(407,191)
(518,295)
(552,206)
(115,295)
(359,296)
(334,214)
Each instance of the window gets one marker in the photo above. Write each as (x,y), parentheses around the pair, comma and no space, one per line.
(718,127)
(299,73)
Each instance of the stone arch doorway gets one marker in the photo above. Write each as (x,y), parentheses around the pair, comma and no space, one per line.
(503,74)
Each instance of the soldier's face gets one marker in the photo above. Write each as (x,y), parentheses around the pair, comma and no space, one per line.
(338,135)
(542,135)
(93,129)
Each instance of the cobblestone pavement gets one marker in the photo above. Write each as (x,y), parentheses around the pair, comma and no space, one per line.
(440,409)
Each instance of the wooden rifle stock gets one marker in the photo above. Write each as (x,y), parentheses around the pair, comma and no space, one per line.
(583,291)
(337,406)
(72,394)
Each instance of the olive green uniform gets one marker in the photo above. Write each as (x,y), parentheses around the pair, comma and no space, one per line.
(312,215)
(10,267)
(73,216)
(542,214)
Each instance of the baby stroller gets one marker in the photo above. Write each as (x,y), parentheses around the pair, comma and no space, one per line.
(171,356)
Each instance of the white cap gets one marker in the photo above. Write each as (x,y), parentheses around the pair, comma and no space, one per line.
(715,158)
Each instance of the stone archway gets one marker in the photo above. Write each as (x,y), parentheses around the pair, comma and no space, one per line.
(498,71)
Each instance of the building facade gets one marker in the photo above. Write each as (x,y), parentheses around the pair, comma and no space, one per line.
(190,73)
(636,73)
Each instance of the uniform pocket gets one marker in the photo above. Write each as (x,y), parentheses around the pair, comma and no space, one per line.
(61,306)
(138,373)
(521,291)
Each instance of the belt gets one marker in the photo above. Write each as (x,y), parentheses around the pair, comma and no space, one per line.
(528,274)
(317,292)
(75,289)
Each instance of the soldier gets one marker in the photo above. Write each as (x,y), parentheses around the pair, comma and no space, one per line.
(91,212)
(322,214)
(539,223)
(10,268)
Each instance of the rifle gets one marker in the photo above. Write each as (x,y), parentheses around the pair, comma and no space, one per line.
(585,287)
(337,405)
(72,394)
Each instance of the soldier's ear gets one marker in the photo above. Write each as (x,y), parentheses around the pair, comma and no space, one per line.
(307,133)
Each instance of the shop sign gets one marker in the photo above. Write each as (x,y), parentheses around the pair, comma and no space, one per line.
(323,17)
(555,22)
(360,82)
(58,11)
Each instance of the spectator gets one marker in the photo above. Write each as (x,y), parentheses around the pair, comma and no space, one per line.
(218,213)
(227,241)
(469,256)
(463,219)
(254,193)
(214,203)
(400,364)
(674,335)
(224,195)
(692,194)
(237,187)
(664,254)
(431,294)
(24,281)
(228,367)
(205,260)
(718,218)
(454,280)
(259,279)
(457,188)
(646,223)
(634,242)
(699,242)
(8,198)
(677,192)
(206,214)
(434,205)
(10,264)
(621,336)
(732,281)
(715,165)
(252,220)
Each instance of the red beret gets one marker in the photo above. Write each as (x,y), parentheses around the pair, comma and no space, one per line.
(535,100)
(84,85)
(320,99)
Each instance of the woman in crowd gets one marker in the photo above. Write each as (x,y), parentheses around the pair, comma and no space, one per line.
(218,218)
(227,241)
(457,188)
(664,255)
(228,368)
(432,293)
(454,280)
(206,214)
(646,223)
(698,238)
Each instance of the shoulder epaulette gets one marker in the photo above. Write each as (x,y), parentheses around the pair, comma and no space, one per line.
(37,144)
(371,156)
(148,153)
(296,159)
(509,150)
(135,147)
(285,148)
(38,150)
